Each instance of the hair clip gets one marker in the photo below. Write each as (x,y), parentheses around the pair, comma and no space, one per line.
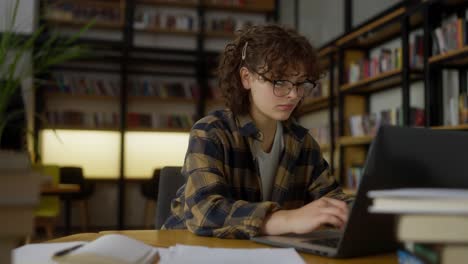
(244,50)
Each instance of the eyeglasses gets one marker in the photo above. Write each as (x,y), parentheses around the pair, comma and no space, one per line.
(283,87)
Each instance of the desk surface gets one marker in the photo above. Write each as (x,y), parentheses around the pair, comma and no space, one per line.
(167,238)
(60,189)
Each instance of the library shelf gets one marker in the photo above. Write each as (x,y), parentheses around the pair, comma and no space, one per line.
(159,99)
(324,56)
(313,104)
(103,3)
(458,127)
(162,129)
(253,7)
(168,31)
(81,128)
(178,4)
(219,34)
(322,53)
(353,36)
(80,24)
(380,82)
(452,57)
(354,141)
(74,96)
(380,30)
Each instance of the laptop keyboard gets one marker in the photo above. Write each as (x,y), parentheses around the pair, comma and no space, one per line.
(329,242)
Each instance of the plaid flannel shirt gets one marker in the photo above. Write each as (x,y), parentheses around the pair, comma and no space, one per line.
(222,196)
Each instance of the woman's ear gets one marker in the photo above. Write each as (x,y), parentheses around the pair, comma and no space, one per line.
(245,77)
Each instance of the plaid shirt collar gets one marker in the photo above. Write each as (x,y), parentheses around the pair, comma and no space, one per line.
(248,128)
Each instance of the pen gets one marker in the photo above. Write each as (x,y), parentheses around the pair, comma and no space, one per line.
(67,250)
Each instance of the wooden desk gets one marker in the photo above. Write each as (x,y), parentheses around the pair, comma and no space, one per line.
(167,238)
(59,189)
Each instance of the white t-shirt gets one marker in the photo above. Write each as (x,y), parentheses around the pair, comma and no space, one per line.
(268,162)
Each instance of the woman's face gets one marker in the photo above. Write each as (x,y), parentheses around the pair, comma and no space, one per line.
(267,103)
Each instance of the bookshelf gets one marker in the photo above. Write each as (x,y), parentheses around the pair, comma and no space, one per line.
(446,74)
(458,127)
(322,100)
(452,57)
(352,94)
(354,140)
(414,23)
(380,82)
(314,104)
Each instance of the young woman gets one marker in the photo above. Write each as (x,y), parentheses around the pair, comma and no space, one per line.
(251,169)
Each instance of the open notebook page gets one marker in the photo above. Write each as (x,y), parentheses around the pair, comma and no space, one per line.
(113,248)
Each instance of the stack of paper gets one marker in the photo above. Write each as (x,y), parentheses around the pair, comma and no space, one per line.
(119,249)
(181,254)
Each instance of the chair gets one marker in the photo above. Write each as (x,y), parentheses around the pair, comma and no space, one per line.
(170,180)
(45,215)
(149,190)
(74,175)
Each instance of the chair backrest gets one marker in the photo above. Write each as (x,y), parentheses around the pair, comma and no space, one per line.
(170,180)
(74,175)
(149,189)
(49,206)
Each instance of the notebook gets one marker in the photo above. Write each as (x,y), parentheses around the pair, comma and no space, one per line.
(113,248)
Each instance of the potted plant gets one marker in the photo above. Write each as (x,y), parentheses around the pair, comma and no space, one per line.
(19,187)
(46,52)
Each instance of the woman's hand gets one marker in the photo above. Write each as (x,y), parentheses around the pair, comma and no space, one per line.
(307,218)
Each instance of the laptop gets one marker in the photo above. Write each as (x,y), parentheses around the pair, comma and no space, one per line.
(398,157)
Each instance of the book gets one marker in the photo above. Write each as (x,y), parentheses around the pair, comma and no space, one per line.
(16,220)
(405,257)
(433,228)
(440,253)
(420,201)
(112,248)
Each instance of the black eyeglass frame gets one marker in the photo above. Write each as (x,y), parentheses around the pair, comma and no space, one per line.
(297,84)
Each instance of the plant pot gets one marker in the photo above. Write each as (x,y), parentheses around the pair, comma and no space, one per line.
(19,195)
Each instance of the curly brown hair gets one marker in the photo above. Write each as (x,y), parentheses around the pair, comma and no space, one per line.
(272,50)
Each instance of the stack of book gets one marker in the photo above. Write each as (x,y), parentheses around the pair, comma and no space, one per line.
(146,17)
(228,24)
(78,12)
(159,121)
(432,223)
(19,195)
(82,119)
(361,125)
(85,84)
(451,35)
(387,60)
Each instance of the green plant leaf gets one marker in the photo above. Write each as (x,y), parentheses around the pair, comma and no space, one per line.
(53,50)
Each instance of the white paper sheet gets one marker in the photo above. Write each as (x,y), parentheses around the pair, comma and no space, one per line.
(42,253)
(182,254)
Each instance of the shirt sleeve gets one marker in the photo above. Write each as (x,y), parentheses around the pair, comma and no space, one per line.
(208,208)
(325,184)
